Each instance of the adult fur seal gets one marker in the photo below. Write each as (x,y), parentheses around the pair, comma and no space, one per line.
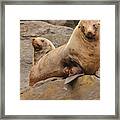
(80,54)
(41,47)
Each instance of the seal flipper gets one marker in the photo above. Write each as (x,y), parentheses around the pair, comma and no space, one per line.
(72,70)
(73,77)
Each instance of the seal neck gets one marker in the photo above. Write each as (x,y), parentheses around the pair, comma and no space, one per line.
(75,38)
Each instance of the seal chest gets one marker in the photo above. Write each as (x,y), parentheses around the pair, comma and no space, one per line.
(84,45)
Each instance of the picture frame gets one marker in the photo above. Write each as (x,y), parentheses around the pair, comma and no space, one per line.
(70,2)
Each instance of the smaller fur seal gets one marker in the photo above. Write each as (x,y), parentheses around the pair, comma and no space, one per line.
(41,47)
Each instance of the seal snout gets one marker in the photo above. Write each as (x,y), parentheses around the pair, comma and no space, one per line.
(90,35)
(37,44)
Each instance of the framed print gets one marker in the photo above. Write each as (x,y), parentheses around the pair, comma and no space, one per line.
(60,59)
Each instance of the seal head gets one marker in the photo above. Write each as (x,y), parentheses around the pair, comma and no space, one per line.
(90,29)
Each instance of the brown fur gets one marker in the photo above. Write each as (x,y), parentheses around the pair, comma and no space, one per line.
(41,47)
(81,51)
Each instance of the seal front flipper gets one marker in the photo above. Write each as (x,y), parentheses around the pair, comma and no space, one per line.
(72,69)
(71,78)
(72,72)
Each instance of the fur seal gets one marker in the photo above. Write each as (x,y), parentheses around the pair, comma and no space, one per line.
(41,47)
(81,55)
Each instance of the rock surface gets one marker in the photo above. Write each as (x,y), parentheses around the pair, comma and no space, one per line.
(58,35)
(83,88)
(68,23)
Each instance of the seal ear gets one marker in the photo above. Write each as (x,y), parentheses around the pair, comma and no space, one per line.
(98,22)
(33,41)
(78,25)
(79,22)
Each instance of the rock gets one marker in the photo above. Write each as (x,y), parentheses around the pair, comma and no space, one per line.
(68,23)
(56,22)
(98,73)
(58,35)
(83,88)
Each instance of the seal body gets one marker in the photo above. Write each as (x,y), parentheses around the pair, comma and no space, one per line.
(80,54)
(48,66)
(84,45)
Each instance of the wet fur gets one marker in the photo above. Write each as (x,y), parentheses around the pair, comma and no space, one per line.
(41,47)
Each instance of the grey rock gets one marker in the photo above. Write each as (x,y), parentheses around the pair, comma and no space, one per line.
(83,88)
(68,23)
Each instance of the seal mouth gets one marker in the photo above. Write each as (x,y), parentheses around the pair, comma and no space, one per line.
(89,37)
(38,47)
(71,63)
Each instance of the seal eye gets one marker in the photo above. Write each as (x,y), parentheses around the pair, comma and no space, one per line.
(95,26)
(33,39)
(78,26)
(42,40)
(83,27)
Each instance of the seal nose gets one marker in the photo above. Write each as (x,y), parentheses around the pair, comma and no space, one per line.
(89,35)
